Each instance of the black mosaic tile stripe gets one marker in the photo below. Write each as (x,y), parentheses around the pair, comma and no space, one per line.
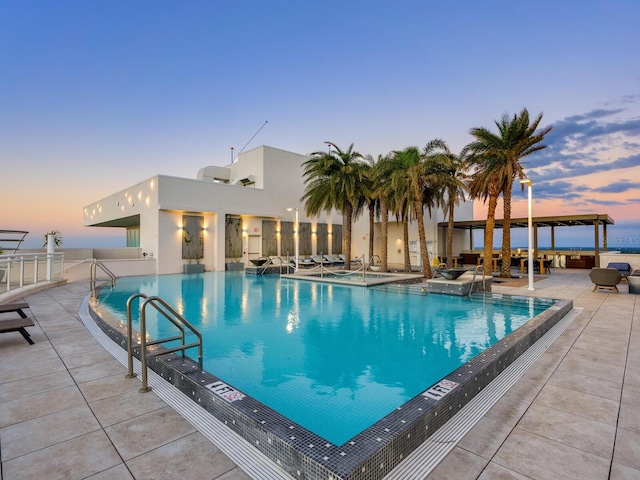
(371,454)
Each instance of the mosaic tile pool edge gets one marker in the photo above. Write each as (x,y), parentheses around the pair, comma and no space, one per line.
(374,452)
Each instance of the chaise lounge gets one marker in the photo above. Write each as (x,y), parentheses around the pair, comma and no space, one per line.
(16,324)
(605,278)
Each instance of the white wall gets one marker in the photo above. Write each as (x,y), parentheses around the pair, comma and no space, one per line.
(631,259)
(159,202)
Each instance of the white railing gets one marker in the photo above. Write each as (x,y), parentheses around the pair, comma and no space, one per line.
(21,270)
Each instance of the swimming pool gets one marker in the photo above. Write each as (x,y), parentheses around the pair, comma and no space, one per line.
(338,361)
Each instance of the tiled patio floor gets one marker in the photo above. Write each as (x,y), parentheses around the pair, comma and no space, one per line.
(66,410)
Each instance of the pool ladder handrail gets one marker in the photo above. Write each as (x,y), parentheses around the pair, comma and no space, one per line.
(93,276)
(473,282)
(170,314)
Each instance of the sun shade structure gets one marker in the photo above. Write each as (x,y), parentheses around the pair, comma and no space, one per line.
(595,219)
(11,239)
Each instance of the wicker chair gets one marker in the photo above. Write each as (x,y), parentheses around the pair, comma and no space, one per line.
(605,278)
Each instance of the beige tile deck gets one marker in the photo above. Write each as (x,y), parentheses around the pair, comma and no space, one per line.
(66,411)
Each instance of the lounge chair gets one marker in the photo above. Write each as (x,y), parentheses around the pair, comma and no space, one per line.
(335,260)
(16,324)
(622,267)
(15,307)
(353,260)
(304,262)
(321,260)
(605,278)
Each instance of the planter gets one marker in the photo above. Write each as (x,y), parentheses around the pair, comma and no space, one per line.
(193,268)
(234,267)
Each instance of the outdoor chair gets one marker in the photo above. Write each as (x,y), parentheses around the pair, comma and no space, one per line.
(353,260)
(321,260)
(605,278)
(304,262)
(334,260)
(16,324)
(536,266)
(622,267)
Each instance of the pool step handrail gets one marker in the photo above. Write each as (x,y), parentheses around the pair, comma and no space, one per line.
(93,276)
(175,318)
(473,282)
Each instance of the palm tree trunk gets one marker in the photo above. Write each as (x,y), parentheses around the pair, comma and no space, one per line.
(488,231)
(424,252)
(450,235)
(372,220)
(347,238)
(505,270)
(384,251)
(405,232)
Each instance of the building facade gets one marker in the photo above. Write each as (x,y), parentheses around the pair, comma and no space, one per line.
(232,214)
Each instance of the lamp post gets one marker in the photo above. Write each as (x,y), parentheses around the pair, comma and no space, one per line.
(329,143)
(297,235)
(527,182)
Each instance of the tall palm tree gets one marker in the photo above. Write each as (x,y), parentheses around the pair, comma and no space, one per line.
(333,181)
(384,193)
(371,198)
(486,187)
(498,156)
(452,180)
(399,197)
(412,177)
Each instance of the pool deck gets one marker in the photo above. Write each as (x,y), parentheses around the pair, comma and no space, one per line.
(67,411)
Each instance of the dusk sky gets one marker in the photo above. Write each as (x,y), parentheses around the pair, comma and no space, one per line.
(96,96)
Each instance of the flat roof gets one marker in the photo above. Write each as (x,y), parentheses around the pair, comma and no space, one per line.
(558,221)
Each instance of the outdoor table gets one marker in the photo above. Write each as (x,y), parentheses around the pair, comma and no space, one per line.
(539,260)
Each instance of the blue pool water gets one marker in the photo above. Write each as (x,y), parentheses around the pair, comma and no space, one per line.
(333,358)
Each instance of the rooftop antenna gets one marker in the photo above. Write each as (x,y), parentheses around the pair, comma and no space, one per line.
(245,145)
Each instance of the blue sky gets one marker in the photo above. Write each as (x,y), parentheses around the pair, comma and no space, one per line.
(98,95)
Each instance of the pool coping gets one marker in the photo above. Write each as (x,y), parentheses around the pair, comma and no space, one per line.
(372,453)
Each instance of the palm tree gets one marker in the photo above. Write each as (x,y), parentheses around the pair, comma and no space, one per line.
(486,187)
(384,194)
(333,181)
(453,182)
(399,197)
(372,200)
(411,178)
(498,158)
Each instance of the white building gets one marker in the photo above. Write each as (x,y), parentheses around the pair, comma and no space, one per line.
(242,211)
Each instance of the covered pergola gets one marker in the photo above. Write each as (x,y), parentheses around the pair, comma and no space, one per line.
(558,221)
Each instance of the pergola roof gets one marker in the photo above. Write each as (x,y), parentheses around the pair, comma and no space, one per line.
(559,221)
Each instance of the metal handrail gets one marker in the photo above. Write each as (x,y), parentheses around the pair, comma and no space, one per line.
(473,282)
(170,314)
(93,275)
